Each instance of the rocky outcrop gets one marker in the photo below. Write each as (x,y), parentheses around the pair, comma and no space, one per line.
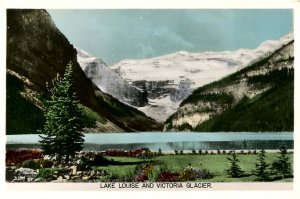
(160,89)
(37,51)
(109,81)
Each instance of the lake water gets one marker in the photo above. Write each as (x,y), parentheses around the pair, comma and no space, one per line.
(168,141)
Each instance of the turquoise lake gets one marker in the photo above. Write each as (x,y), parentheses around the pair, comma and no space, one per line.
(168,141)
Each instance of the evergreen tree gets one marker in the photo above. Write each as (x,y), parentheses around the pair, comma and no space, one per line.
(62,136)
(262,167)
(234,170)
(282,166)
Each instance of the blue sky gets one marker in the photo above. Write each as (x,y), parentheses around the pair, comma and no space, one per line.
(113,35)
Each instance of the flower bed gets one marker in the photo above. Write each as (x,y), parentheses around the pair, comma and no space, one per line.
(167,176)
(17,156)
(137,153)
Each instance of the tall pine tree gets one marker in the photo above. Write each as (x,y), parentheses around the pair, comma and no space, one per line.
(62,135)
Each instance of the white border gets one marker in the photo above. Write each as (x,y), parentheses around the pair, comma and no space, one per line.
(147,4)
(126,4)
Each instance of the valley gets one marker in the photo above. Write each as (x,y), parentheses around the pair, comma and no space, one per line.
(242,90)
(158,85)
(132,96)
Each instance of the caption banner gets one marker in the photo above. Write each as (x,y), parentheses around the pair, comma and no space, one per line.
(155,185)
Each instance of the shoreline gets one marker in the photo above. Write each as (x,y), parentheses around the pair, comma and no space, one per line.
(186,152)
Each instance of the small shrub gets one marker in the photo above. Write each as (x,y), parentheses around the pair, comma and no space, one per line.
(176,152)
(44,163)
(84,164)
(46,174)
(31,164)
(200,152)
(190,174)
(148,168)
(234,170)
(143,172)
(159,151)
(261,167)
(282,166)
(187,174)
(204,174)
(51,173)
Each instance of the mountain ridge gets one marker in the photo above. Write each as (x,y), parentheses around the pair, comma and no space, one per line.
(211,105)
(169,79)
(37,51)
(109,81)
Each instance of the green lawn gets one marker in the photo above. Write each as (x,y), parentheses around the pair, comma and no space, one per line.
(214,163)
(126,165)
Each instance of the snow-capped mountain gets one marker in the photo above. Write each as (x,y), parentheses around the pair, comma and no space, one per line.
(257,98)
(109,81)
(169,79)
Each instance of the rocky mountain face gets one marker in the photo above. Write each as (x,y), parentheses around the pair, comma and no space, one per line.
(109,81)
(36,52)
(258,97)
(170,79)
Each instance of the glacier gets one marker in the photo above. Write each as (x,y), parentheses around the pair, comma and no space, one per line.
(157,86)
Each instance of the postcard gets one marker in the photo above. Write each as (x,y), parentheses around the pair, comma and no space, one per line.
(113,98)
